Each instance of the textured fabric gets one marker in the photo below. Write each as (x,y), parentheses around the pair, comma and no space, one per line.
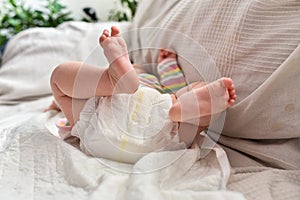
(255,43)
(35,164)
(266,183)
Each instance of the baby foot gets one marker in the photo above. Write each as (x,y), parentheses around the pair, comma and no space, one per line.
(164,54)
(115,51)
(200,103)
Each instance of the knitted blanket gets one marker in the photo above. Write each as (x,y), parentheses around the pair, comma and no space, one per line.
(256,43)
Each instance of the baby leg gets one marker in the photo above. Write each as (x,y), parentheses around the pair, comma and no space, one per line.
(199,103)
(74,82)
(120,70)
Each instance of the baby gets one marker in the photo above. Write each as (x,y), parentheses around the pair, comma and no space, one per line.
(121,112)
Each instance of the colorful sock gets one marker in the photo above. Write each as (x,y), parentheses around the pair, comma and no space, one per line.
(170,75)
(149,80)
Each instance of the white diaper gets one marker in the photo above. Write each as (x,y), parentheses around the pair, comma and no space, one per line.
(125,127)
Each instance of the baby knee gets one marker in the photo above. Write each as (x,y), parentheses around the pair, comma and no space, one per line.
(56,72)
(61,71)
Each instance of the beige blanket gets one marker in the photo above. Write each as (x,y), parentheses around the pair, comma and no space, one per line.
(256,43)
(253,42)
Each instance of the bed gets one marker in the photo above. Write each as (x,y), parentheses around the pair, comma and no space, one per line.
(257,155)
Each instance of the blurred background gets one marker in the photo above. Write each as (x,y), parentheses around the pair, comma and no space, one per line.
(102,7)
(19,15)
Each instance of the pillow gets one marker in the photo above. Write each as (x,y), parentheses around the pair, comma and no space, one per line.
(31,56)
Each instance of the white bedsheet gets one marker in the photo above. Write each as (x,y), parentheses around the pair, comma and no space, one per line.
(36,164)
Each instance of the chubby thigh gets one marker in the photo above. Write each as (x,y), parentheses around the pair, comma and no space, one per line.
(125,127)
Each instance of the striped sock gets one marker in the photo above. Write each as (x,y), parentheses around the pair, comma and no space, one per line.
(149,80)
(170,75)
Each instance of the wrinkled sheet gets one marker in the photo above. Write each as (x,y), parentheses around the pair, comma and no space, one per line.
(35,163)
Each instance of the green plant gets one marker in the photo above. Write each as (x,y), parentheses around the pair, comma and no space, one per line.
(16,16)
(125,11)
